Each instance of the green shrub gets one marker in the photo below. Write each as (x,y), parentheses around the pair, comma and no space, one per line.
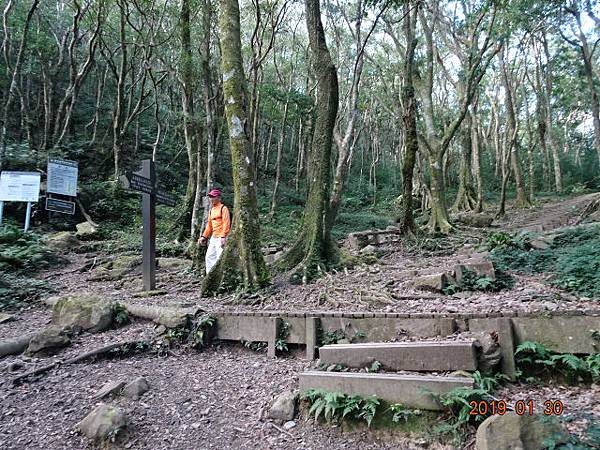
(335,405)
(473,282)
(534,360)
(573,259)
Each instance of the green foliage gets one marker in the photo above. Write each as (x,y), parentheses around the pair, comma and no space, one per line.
(192,334)
(330,336)
(108,201)
(589,439)
(335,405)
(121,316)
(473,282)
(573,259)
(374,367)
(534,360)
(283,334)
(457,401)
(21,256)
(401,413)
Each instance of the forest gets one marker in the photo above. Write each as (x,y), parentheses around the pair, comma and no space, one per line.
(387,157)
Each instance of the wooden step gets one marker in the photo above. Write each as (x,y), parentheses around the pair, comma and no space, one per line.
(417,356)
(413,391)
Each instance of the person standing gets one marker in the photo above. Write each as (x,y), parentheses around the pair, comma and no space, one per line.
(217,229)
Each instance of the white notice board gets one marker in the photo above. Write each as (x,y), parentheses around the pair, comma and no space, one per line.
(19,186)
(62,177)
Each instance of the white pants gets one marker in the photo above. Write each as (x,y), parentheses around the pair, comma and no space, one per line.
(213,252)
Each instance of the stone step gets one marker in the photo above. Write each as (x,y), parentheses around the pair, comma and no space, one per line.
(413,391)
(417,356)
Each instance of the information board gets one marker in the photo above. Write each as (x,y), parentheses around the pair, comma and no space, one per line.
(19,186)
(61,206)
(62,177)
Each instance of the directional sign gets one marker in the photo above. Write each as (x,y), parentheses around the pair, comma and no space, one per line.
(139,183)
(61,206)
(19,186)
(62,177)
(165,198)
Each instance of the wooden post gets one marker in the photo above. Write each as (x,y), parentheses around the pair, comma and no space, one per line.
(149,234)
(273,335)
(27,217)
(311,337)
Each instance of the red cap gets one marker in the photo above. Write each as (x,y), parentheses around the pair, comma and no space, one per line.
(214,193)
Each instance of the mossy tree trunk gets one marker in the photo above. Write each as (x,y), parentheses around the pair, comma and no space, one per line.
(406,220)
(315,250)
(241,264)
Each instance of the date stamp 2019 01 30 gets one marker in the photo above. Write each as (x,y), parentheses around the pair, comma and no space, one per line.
(520,407)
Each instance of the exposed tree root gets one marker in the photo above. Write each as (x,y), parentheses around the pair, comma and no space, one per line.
(14,346)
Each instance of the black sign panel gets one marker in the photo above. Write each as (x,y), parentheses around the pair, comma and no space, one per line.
(61,206)
(140,183)
(165,198)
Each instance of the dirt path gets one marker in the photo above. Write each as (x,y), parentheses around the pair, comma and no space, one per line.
(550,215)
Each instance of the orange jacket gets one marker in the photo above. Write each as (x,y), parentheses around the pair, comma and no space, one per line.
(219,222)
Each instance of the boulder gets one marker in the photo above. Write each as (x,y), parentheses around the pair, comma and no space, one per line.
(48,341)
(6,318)
(86,231)
(481,268)
(117,268)
(110,388)
(488,352)
(284,406)
(63,240)
(435,283)
(83,311)
(511,432)
(103,424)
(369,250)
(477,220)
(136,388)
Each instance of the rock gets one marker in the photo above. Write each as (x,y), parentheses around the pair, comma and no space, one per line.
(174,264)
(63,240)
(48,341)
(369,250)
(511,432)
(435,283)
(116,268)
(136,388)
(476,220)
(539,244)
(86,231)
(83,311)
(104,423)
(284,407)
(343,341)
(14,366)
(112,387)
(489,352)
(481,268)
(289,425)
(6,318)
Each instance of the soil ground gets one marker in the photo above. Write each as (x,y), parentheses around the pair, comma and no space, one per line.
(217,398)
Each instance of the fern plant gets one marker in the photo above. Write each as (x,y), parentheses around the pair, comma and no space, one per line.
(338,406)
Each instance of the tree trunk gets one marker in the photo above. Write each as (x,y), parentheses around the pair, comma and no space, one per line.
(465,198)
(242,263)
(315,249)
(186,82)
(406,221)
(280,151)
(15,76)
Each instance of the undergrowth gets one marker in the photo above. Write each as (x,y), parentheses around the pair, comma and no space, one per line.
(471,281)
(534,361)
(21,256)
(572,257)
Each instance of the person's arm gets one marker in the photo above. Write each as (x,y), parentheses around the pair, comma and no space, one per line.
(208,230)
(226,217)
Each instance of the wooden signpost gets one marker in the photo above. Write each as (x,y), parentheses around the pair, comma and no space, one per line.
(144,181)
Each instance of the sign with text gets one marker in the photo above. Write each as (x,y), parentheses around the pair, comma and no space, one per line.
(165,198)
(61,206)
(19,186)
(62,177)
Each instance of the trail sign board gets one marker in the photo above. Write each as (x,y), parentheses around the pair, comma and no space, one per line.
(19,186)
(61,206)
(144,181)
(62,177)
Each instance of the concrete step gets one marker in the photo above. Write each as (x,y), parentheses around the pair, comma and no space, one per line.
(417,356)
(413,391)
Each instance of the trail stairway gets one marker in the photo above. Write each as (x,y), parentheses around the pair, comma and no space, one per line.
(413,390)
